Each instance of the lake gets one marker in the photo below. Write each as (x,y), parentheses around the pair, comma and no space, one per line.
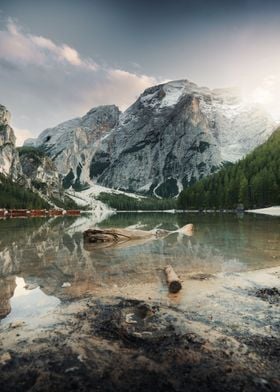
(43,262)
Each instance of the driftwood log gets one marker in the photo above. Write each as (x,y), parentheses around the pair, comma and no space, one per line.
(173,281)
(187,229)
(118,236)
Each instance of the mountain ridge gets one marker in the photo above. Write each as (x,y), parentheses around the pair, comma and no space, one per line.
(252,182)
(174,134)
(28,178)
(70,143)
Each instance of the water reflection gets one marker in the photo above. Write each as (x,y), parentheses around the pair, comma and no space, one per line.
(27,304)
(48,253)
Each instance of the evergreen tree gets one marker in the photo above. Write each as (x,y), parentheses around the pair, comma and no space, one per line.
(253,181)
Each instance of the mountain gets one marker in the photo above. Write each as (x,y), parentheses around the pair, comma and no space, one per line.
(40,171)
(9,159)
(28,179)
(253,181)
(72,143)
(173,135)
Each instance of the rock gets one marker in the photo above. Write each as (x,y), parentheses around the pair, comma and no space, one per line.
(202,276)
(272,295)
(268,291)
(5,358)
(72,143)
(129,318)
(30,286)
(16,324)
(66,284)
(41,172)
(72,369)
(81,358)
(9,158)
(29,169)
(143,310)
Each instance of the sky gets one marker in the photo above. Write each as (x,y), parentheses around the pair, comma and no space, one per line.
(58,59)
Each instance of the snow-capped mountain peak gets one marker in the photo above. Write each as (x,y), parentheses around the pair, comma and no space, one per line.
(174,134)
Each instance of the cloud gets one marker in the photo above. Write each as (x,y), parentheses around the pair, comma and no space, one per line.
(17,46)
(44,82)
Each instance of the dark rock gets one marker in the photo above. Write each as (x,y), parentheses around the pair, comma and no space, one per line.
(272,295)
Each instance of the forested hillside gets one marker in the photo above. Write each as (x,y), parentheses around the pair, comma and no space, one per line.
(13,195)
(253,181)
(126,203)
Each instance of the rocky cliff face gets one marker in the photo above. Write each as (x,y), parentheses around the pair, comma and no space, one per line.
(174,134)
(40,172)
(9,159)
(72,144)
(31,168)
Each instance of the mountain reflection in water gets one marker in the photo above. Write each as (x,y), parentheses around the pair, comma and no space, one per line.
(47,253)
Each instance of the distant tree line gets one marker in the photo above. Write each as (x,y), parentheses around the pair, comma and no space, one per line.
(253,181)
(126,203)
(67,203)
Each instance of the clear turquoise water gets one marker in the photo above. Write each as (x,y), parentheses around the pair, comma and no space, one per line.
(38,256)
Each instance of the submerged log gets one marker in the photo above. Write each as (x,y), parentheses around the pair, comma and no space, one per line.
(174,284)
(119,236)
(106,235)
(187,229)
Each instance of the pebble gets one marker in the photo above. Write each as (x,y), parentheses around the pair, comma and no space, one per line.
(31,286)
(72,369)
(66,284)
(5,358)
(129,320)
(16,324)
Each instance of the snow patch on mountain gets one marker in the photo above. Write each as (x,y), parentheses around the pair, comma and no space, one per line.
(242,125)
(173,91)
(88,198)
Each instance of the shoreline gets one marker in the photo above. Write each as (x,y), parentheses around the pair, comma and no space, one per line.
(41,213)
(20,213)
(272,211)
(223,336)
